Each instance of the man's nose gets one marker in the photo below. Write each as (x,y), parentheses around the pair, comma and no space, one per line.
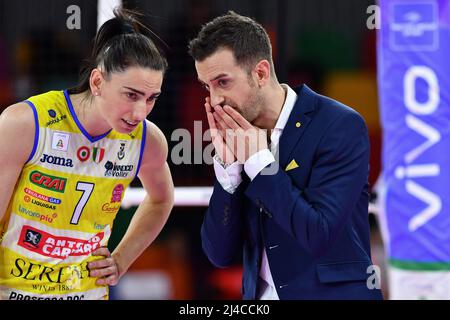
(216,98)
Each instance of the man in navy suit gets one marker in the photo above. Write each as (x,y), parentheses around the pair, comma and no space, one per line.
(291,195)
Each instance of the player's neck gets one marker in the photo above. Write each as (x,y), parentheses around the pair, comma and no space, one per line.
(88,115)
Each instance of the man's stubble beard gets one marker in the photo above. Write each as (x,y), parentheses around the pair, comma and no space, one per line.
(250,110)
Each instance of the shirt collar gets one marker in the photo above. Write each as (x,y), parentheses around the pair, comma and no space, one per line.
(291,98)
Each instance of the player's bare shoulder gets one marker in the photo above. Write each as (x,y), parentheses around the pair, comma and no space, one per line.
(156,148)
(18,130)
(18,112)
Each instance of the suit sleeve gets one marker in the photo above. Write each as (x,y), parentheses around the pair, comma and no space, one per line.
(222,228)
(315,215)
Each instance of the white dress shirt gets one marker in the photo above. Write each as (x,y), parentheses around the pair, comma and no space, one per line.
(230,178)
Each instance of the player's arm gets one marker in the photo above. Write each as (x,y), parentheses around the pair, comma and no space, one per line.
(153,212)
(17,133)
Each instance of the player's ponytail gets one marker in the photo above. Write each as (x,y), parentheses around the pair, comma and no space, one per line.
(121,42)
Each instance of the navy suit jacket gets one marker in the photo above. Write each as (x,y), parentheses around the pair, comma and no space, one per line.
(312,220)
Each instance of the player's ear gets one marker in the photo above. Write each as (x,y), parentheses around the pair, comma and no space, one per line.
(95,81)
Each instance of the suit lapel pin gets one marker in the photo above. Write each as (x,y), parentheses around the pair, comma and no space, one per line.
(292,165)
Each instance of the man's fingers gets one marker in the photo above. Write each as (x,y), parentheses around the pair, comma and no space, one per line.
(211,121)
(214,130)
(231,139)
(220,123)
(208,107)
(230,123)
(227,134)
(237,117)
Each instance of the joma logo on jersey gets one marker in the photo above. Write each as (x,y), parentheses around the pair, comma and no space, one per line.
(59,161)
(48,182)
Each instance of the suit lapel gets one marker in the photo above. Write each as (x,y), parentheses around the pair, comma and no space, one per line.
(297,123)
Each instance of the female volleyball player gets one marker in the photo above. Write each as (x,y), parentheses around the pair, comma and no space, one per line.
(66,158)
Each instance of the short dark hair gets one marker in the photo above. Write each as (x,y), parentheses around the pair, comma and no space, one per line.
(245,37)
(121,42)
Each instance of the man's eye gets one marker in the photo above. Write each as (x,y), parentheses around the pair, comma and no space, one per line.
(222,83)
(152,98)
(131,95)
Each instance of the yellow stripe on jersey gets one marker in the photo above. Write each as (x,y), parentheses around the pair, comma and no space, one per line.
(65,201)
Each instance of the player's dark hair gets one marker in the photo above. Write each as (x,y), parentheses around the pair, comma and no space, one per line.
(121,42)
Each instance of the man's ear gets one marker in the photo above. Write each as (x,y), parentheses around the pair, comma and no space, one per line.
(262,71)
(95,81)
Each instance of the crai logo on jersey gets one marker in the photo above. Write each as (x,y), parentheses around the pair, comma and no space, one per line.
(84,153)
(48,182)
(116,170)
(49,245)
(59,161)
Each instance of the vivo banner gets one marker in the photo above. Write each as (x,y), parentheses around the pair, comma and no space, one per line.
(414,89)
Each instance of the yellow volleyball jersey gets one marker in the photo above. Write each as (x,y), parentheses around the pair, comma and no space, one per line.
(64,204)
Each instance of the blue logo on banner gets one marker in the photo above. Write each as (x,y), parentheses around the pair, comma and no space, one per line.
(414,27)
(413,77)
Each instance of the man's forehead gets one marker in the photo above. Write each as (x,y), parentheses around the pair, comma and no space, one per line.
(225,54)
(213,78)
(219,64)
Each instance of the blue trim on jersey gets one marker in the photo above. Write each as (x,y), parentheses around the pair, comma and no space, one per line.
(144,136)
(36,133)
(78,123)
